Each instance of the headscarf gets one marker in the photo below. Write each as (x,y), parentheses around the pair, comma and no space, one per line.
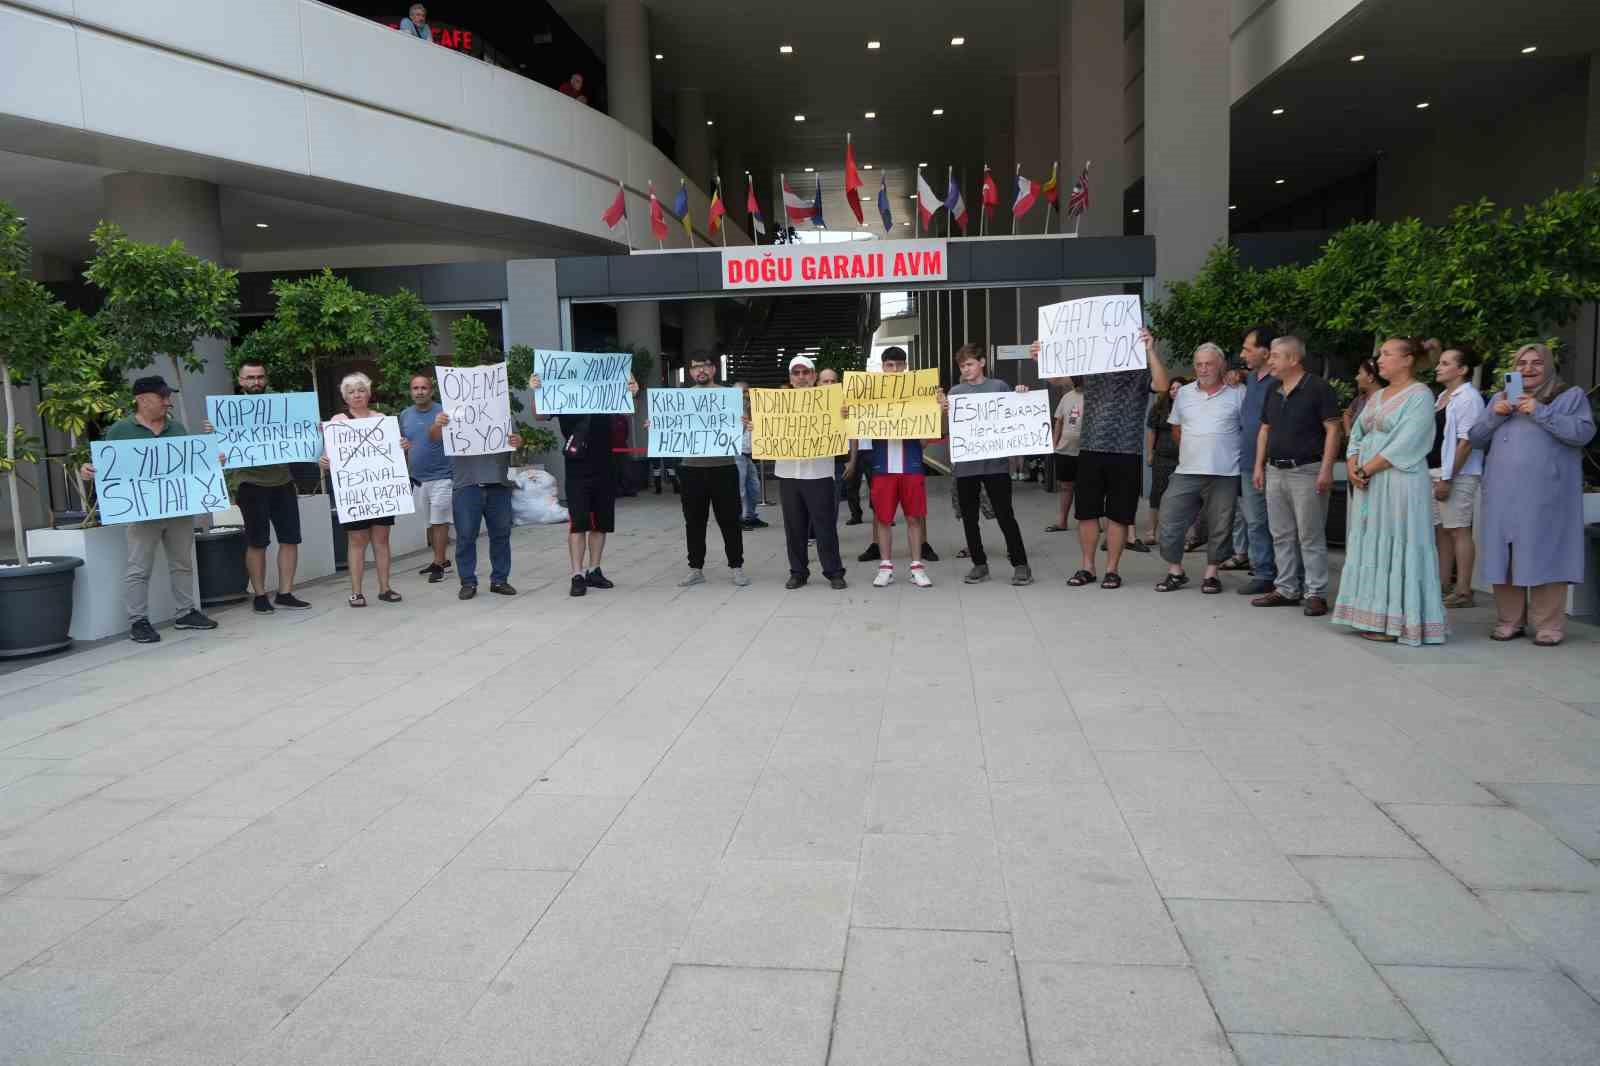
(1552,386)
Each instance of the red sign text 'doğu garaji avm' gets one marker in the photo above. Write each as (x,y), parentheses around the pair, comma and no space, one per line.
(795,266)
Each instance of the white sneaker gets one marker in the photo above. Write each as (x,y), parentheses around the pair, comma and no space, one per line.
(885,576)
(919,577)
(739,577)
(695,577)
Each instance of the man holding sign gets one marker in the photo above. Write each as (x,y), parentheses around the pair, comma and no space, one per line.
(1089,341)
(898,479)
(796,428)
(152,419)
(475,428)
(703,425)
(991,475)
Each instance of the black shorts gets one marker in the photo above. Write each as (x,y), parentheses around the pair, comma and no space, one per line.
(1160,475)
(1066,468)
(268,510)
(1108,487)
(591,498)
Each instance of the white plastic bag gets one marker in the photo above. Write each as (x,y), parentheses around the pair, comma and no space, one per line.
(535,502)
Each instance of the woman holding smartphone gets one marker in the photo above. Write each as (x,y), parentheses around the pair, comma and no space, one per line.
(1531,526)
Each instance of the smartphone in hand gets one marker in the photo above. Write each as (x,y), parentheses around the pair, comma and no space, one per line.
(1513,387)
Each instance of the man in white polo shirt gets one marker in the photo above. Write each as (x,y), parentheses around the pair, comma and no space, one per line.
(1205,421)
(810,503)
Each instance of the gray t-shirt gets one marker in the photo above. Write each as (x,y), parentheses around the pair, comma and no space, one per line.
(480,469)
(1114,408)
(981,466)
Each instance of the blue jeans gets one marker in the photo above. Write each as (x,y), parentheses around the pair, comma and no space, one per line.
(490,504)
(749,485)
(1253,505)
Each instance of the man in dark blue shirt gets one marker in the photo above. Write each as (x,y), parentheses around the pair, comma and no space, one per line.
(1258,382)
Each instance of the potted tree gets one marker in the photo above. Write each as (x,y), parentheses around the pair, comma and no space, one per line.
(35,594)
(158,301)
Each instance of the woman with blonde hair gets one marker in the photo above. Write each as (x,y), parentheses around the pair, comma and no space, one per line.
(1389,590)
(1531,521)
(356,389)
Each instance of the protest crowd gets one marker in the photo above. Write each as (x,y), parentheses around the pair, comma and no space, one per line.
(1241,463)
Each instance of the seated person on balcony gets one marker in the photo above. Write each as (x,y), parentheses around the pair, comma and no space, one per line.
(416,24)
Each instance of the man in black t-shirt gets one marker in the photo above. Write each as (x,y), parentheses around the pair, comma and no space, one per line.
(591,491)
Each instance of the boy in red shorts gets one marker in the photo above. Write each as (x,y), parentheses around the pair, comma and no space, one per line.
(898,482)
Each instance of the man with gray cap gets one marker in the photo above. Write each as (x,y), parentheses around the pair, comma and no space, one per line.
(810,504)
(152,417)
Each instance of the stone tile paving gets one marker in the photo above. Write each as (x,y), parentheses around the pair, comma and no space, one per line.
(973,824)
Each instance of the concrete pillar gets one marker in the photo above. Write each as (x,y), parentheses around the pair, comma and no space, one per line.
(1584,368)
(693,137)
(1092,79)
(1036,133)
(158,209)
(628,65)
(699,327)
(1186,98)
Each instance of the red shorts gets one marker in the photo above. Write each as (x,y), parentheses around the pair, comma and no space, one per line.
(907,491)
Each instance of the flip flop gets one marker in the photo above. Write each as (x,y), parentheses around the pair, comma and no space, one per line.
(1112,580)
(358,600)
(1211,586)
(1081,578)
(1171,583)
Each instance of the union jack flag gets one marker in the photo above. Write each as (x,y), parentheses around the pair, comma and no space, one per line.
(1078,200)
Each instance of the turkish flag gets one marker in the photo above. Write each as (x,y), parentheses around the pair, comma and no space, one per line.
(852,182)
(658,220)
(617,211)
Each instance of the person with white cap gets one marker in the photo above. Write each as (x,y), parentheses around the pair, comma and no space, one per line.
(810,504)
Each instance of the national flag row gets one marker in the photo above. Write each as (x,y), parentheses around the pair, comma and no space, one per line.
(800,210)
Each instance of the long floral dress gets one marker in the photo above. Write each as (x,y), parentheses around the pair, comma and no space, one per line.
(1390,582)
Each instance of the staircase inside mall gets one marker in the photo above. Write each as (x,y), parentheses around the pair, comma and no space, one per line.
(781,327)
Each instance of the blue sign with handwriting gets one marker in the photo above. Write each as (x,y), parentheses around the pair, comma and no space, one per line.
(157,477)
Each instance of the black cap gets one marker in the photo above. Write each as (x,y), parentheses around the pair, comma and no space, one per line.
(153,383)
(894,352)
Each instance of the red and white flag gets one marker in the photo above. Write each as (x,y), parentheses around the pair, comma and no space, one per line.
(852,182)
(658,219)
(990,195)
(928,204)
(797,207)
(1027,193)
(757,223)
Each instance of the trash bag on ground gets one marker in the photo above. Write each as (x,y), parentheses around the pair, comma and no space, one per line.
(535,501)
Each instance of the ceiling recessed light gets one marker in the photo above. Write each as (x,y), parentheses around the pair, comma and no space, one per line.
(1233,207)
(873,46)
(957,42)
(1277,111)
(262,225)
(711,122)
(786,49)
(870,114)
(922,164)
(1136,210)
(1528,51)
(799,118)
(811,170)
(1358,57)
(1424,106)
(938,111)
(659,56)
(866,166)
(1279,181)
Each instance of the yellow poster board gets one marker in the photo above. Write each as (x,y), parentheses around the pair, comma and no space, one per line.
(902,406)
(797,423)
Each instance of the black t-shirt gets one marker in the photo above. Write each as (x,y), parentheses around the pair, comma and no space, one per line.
(1436,453)
(1166,449)
(1295,423)
(596,430)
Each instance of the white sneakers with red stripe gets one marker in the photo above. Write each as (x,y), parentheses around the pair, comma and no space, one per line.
(885,576)
(919,577)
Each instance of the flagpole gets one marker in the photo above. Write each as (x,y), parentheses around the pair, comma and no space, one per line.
(1055,175)
(916,216)
(966,315)
(983,207)
(688,214)
(1013,201)
(627,228)
(723,200)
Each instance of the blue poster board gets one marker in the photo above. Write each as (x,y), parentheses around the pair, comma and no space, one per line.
(694,422)
(580,383)
(157,477)
(266,428)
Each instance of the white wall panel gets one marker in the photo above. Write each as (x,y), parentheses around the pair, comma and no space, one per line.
(260,35)
(143,94)
(364,60)
(38,69)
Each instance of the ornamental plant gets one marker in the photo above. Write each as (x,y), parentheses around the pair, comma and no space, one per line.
(28,319)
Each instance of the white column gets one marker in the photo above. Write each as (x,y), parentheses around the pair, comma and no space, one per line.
(628,65)
(1092,78)
(158,209)
(1186,97)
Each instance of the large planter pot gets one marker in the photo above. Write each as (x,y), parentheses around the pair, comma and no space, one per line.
(1338,513)
(219,565)
(99,608)
(36,606)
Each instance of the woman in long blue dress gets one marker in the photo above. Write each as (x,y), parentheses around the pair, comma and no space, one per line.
(1531,525)
(1390,586)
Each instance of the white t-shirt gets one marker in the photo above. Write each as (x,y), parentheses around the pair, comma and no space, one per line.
(1070,411)
(804,469)
(1210,423)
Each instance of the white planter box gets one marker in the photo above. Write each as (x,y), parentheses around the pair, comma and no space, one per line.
(98,607)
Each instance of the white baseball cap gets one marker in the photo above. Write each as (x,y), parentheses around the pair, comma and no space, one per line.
(802,360)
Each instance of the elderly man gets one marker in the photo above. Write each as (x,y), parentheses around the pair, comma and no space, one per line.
(1205,420)
(1258,381)
(1295,450)
(416,24)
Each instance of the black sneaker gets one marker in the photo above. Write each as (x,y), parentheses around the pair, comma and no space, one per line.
(441,568)
(756,523)
(795,581)
(870,554)
(467,592)
(435,574)
(580,587)
(928,554)
(292,602)
(502,588)
(142,632)
(194,620)
(853,520)
(597,580)
(262,605)
(837,581)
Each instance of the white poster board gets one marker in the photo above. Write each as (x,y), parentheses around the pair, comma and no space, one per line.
(1095,335)
(367,468)
(995,425)
(478,401)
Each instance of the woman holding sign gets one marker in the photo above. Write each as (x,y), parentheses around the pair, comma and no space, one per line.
(357,392)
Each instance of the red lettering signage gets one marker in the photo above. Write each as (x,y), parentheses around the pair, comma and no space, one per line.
(864,262)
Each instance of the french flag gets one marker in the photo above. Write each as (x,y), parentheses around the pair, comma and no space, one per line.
(954,204)
(1027,193)
(927,203)
(798,209)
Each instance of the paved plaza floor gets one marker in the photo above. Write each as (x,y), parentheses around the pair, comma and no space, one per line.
(966,825)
